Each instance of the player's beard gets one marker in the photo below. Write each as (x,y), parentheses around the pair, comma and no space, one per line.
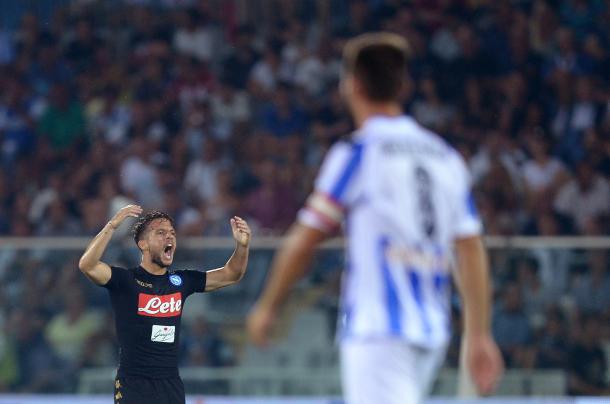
(156,259)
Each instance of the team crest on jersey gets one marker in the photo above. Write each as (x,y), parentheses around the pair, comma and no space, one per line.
(175,280)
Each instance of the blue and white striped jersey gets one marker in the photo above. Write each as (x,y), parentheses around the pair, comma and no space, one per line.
(404,195)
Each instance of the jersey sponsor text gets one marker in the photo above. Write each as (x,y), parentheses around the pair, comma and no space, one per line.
(160,306)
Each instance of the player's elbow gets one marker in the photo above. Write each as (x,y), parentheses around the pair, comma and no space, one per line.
(84,266)
(234,275)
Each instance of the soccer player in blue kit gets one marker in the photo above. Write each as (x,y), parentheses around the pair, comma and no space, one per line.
(147,302)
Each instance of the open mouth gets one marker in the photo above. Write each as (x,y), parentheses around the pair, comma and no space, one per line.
(168,251)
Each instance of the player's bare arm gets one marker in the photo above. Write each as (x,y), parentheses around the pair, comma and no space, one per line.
(288,267)
(483,357)
(90,264)
(235,268)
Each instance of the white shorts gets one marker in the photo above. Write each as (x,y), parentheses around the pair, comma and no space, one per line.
(387,371)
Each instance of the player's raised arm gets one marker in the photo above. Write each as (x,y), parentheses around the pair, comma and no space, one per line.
(483,357)
(90,263)
(235,268)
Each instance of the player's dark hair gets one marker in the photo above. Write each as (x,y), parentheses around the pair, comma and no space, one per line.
(141,225)
(378,61)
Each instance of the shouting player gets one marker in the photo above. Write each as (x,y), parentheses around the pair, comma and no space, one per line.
(147,302)
(405,197)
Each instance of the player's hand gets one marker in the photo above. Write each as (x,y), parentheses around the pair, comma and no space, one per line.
(241,231)
(259,323)
(484,362)
(124,213)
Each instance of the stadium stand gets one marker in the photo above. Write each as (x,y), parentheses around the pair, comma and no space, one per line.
(208,109)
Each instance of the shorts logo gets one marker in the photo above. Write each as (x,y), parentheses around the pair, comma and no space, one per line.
(160,306)
(175,280)
(163,333)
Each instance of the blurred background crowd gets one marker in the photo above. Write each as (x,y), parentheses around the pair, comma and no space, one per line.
(206,109)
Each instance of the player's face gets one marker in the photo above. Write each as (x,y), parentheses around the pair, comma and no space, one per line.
(161,242)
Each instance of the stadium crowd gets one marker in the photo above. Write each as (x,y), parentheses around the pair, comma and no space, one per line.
(194,108)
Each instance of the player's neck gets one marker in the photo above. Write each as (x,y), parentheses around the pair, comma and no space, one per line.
(152,268)
(366,110)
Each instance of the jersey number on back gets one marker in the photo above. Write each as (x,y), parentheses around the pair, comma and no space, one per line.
(425,204)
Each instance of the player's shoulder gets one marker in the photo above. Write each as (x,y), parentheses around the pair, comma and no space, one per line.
(185,276)
(434,139)
(184,272)
(346,147)
(120,269)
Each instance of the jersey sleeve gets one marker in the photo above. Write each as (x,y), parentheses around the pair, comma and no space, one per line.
(335,188)
(194,281)
(118,278)
(467,222)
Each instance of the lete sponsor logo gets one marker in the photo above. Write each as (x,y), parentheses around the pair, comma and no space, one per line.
(160,306)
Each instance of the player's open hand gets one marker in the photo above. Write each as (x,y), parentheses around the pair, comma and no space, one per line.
(124,213)
(259,323)
(484,362)
(241,231)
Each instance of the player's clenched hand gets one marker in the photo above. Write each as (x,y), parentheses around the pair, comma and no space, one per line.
(241,231)
(484,363)
(259,323)
(124,213)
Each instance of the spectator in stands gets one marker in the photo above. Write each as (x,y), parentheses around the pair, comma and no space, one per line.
(63,123)
(9,371)
(80,52)
(552,343)
(585,199)
(39,369)
(58,221)
(201,179)
(283,117)
(429,108)
(536,296)
(572,120)
(554,263)
(512,330)
(70,329)
(195,36)
(16,116)
(543,174)
(587,362)
(591,290)
(139,174)
(229,107)
(242,57)
(264,74)
(272,206)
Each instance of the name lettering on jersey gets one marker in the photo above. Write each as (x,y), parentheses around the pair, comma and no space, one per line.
(144,284)
(412,148)
(160,306)
(163,333)
(416,258)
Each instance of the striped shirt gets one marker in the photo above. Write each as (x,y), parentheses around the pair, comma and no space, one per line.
(404,197)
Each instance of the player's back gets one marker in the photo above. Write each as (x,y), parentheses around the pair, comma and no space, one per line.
(406,202)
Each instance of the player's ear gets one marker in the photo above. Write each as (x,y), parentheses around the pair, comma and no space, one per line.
(142,244)
(346,86)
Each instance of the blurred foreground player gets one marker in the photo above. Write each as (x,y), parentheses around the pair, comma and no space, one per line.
(148,300)
(405,196)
